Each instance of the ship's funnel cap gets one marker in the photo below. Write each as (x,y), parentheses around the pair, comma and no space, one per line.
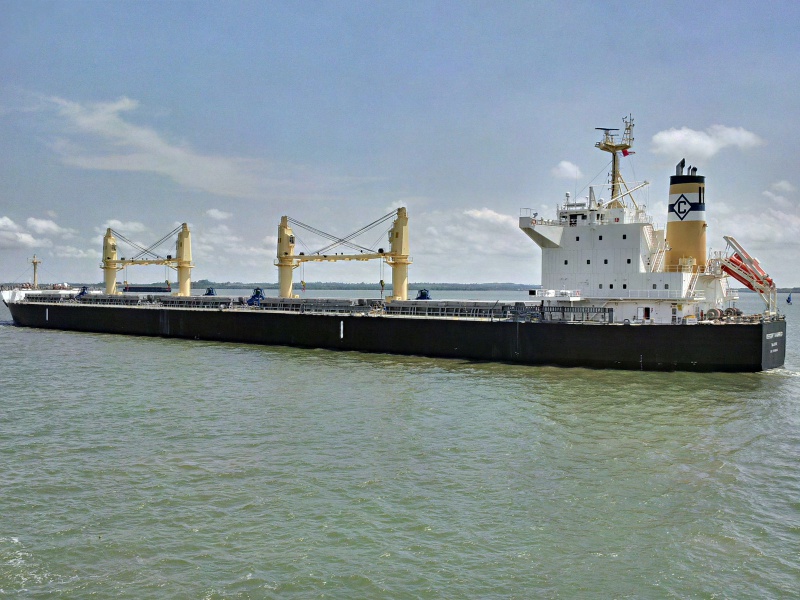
(691,175)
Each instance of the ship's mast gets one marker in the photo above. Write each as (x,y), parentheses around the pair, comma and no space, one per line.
(36,262)
(610,144)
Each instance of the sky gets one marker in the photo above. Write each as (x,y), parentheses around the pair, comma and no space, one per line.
(227,115)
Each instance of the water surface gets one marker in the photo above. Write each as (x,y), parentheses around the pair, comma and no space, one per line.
(153,468)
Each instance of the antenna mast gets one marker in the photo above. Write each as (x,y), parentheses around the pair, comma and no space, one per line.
(610,144)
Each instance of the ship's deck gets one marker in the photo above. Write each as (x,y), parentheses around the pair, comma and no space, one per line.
(374,307)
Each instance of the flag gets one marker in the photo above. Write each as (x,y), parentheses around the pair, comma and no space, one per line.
(627,153)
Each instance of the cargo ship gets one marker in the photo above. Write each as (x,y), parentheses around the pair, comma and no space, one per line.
(617,292)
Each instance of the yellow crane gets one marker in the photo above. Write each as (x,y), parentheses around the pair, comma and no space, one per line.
(181,262)
(397,257)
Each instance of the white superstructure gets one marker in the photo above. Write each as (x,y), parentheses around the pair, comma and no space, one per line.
(605,252)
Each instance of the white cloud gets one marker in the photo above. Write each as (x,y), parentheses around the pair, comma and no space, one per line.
(48,227)
(7,224)
(124,146)
(217,214)
(487,214)
(213,242)
(777,199)
(21,239)
(123,226)
(566,170)
(43,226)
(783,186)
(216,245)
(253,251)
(482,231)
(14,236)
(703,144)
(776,226)
(222,230)
(73,252)
(476,245)
(100,136)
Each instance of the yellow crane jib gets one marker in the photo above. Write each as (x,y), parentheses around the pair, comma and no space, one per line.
(397,257)
(181,262)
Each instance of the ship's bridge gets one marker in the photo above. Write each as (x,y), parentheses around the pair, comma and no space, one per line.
(606,249)
(590,211)
(595,210)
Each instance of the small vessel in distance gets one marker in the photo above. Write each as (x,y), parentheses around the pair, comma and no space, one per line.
(617,292)
(147,289)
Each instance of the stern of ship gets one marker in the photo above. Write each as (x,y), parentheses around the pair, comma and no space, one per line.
(773,344)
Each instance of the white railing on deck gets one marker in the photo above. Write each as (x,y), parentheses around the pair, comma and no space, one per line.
(687,269)
(529,213)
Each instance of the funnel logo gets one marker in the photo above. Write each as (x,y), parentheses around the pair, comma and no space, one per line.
(682,207)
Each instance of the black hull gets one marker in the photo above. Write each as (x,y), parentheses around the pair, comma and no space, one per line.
(703,347)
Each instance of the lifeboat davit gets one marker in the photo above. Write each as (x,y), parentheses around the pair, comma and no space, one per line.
(745,274)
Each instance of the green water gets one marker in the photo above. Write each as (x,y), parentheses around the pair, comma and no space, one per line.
(151,468)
